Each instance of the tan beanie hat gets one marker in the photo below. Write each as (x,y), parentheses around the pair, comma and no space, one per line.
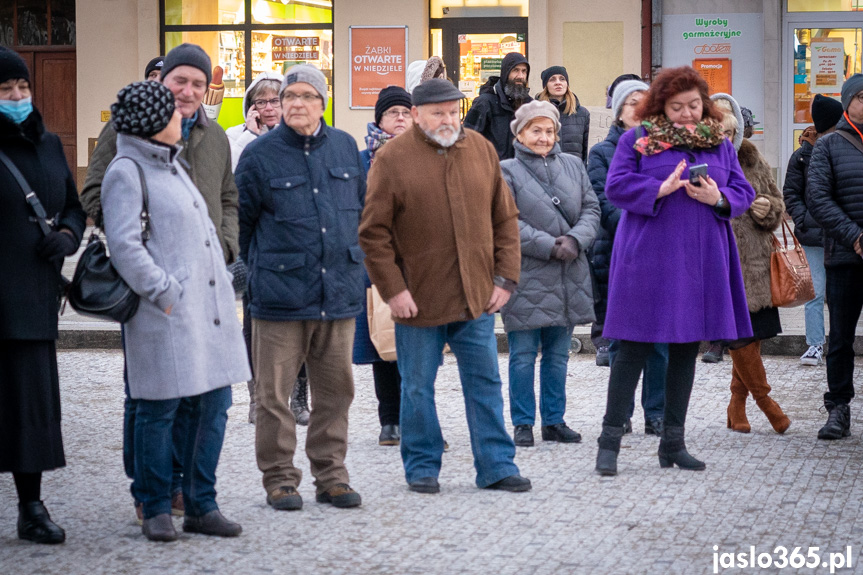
(534,109)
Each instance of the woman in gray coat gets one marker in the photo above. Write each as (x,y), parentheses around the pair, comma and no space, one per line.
(184,344)
(558,220)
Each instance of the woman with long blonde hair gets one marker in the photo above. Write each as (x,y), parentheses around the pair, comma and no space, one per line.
(574,118)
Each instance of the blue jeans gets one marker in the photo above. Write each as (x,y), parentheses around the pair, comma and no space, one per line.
(130,406)
(154,453)
(419,351)
(523,347)
(653,382)
(814,310)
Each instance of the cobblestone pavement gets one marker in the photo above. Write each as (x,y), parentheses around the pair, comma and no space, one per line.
(760,489)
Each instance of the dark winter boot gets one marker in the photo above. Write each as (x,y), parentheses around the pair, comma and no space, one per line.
(672,450)
(609,447)
(838,421)
(34,524)
(300,401)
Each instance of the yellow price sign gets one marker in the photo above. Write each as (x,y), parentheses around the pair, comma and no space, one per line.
(106,115)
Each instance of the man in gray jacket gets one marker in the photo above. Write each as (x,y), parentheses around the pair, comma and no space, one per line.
(186,72)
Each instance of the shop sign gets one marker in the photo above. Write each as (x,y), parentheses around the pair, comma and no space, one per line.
(828,57)
(711,43)
(378,59)
(491,64)
(294,48)
(485,48)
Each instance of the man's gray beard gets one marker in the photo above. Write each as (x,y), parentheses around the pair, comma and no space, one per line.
(515,91)
(443,141)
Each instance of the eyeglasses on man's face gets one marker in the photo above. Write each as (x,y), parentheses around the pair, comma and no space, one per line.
(306,98)
(261,104)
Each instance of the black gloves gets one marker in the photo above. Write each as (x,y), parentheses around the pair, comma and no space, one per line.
(56,245)
(565,248)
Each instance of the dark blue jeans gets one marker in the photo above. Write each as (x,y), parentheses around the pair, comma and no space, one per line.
(844,302)
(653,380)
(419,351)
(523,348)
(180,426)
(154,453)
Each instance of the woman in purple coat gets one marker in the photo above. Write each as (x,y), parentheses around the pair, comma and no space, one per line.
(675,274)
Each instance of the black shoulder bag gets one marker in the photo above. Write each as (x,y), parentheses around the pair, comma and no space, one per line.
(97,290)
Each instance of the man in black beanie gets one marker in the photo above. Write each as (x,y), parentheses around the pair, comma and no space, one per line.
(499,98)
(835,197)
(186,72)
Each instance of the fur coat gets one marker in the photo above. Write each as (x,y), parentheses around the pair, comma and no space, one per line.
(753,235)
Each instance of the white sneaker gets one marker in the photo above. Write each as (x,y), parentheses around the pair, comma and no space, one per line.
(813,356)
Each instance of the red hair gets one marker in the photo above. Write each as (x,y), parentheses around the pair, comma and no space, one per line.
(669,83)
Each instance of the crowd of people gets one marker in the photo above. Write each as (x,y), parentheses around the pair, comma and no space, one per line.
(660,236)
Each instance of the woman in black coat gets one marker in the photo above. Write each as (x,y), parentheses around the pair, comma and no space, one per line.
(574,118)
(30,294)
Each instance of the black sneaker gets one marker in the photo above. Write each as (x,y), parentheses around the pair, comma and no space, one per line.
(560,433)
(513,483)
(653,426)
(389,435)
(340,495)
(838,421)
(602,359)
(425,485)
(523,435)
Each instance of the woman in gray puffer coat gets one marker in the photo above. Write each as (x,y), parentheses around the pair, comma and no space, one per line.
(184,345)
(558,221)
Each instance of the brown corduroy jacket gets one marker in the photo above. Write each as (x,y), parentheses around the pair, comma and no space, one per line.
(441,223)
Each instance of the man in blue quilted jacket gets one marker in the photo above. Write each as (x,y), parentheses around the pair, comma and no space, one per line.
(302,189)
(834,195)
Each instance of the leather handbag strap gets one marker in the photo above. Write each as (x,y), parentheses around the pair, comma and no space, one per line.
(554,199)
(29,195)
(854,141)
(145,201)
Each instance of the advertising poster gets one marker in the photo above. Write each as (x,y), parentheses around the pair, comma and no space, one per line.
(828,65)
(378,59)
(711,43)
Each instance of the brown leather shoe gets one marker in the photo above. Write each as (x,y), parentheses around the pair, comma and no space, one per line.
(212,523)
(159,528)
(340,495)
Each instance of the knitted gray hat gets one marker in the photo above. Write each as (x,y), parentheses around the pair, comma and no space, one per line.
(310,75)
(738,135)
(142,109)
(850,88)
(624,90)
(534,109)
(188,55)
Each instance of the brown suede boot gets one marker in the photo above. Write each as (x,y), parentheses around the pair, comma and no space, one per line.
(753,375)
(737,406)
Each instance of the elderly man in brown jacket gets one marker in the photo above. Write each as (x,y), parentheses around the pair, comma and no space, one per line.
(440,233)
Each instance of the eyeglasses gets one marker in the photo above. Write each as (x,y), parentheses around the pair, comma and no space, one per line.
(261,104)
(306,98)
(859,97)
(396,113)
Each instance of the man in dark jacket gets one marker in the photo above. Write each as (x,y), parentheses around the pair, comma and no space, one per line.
(499,98)
(302,188)
(835,198)
(826,112)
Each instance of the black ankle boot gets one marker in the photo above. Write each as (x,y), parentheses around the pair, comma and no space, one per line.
(34,524)
(609,447)
(672,450)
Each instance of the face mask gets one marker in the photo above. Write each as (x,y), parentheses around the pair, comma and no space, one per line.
(17,111)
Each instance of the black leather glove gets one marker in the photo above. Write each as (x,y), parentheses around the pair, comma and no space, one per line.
(565,248)
(56,245)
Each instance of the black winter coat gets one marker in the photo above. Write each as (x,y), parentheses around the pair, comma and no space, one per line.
(807,230)
(29,292)
(597,169)
(834,194)
(574,130)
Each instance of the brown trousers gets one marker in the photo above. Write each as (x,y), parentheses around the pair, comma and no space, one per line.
(279,348)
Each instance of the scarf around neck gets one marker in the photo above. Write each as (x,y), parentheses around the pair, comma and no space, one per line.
(375,139)
(663,134)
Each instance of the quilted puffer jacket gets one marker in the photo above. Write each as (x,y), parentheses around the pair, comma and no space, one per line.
(551,292)
(834,194)
(806,228)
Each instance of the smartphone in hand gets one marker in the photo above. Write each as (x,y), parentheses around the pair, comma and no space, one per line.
(699,170)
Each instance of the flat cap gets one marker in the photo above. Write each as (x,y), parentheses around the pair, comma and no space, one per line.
(435,91)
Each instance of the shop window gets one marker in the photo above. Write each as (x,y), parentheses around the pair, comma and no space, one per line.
(277,38)
(37,23)
(478,8)
(825,5)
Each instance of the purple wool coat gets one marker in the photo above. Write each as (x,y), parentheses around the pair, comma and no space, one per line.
(675,274)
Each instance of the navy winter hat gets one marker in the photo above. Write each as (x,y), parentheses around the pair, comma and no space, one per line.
(549,72)
(188,55)
(153,65)
(12,66)
(142,109)
(826,113)
(389,97)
